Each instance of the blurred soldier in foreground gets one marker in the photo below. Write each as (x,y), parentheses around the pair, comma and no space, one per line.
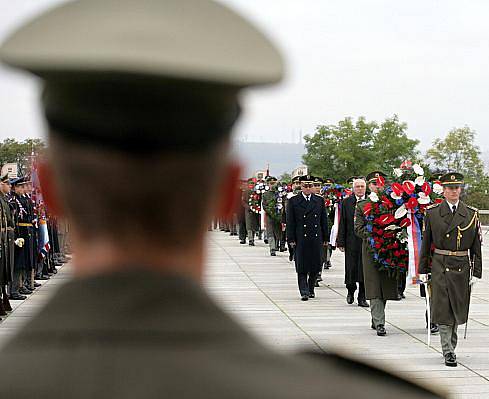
(133,91)
(452,227)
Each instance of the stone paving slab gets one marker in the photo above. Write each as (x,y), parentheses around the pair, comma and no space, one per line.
(261,293)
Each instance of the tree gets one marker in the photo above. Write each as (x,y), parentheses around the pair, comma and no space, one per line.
(458,153)
(286,177)
(12,151)
(357,148)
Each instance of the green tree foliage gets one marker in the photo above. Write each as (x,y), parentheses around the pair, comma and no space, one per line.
(458,153)
(13,151)
(285,177)
(356,148)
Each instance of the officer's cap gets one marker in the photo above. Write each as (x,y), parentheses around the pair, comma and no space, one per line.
(372,176)
(143,74)
(271,179)
(328,180)
(5,178)
(452,179)
(317,180)
(306,179)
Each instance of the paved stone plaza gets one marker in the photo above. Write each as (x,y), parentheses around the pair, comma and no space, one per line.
(261,292)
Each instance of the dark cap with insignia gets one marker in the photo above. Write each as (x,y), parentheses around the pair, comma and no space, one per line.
(317,180)
(452,179)
(372,176)
(328,180)
(270,178)
(306,179)
(296,179)
(143,76)
(5,178)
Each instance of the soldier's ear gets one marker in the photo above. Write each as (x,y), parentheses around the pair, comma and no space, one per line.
(229,195)
(48,188)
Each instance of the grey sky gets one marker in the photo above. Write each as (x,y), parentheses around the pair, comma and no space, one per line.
(427,61)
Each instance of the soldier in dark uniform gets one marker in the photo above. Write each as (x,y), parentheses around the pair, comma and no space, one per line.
(349,243)
(451,240)
(132,87)
(307,232)
(328,182)
(318,185)
(252,218)
(8,238)
(379,285)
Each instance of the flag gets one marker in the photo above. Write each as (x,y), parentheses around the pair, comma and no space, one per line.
(43,239)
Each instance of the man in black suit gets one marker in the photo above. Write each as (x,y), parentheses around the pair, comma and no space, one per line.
(351,244)
(307,232)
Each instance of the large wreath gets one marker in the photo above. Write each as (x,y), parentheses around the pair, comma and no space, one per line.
(394,217)
(275,204)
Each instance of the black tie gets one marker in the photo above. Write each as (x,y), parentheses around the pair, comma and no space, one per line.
(454,209)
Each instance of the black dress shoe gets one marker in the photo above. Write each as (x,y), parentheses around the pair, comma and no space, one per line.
(281,249)
(381,330)
(349,299)
(291,257)
(327,265)
(17,297)
(273,253)
(242,242)
(402,295)
(316,284)
(43,277)
(311,295)
(25,291)
(319,278)
(434,328)
(265,241)
(304,297)
(37,285)
(363,303)
(251,244)
(450,360)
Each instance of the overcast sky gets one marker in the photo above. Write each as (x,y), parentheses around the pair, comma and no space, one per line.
(426,60)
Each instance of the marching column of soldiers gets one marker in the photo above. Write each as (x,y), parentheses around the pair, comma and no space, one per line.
(26,253)
(299,218)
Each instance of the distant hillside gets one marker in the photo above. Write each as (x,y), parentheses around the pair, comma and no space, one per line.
(281,157)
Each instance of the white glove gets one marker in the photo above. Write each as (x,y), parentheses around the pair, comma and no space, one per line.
(19,242)
(474,281)
(423,278)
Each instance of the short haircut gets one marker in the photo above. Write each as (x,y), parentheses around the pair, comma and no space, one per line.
(160,198)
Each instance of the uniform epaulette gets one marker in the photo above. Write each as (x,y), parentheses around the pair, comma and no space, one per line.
(472,207)
(433,206)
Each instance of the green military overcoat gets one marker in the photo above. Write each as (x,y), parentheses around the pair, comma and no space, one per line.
(378,284)
(140,334)
(450,274)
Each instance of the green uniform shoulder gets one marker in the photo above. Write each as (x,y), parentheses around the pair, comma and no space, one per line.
(432,206)
(473,208)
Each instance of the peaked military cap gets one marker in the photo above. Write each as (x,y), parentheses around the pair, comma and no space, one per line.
(372,176)
(306,179)
(317,179)
(435,177)
(5,178)
(452,179)
(328,180)
(17,181)
(296,178)
(271,178)
(143,75)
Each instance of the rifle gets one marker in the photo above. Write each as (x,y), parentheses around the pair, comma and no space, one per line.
(471,273)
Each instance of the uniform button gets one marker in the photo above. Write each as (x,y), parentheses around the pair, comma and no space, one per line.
(316,235)
(459,270)
(305,225)
(315,225)
(447,269)
(305,235)
(448,235)
(304,216)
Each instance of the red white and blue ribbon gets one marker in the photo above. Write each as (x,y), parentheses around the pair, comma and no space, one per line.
(414,246)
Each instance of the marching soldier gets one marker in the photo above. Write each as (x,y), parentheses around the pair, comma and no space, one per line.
(330,210)
(252,219)
(451,240)
(307,233)
(273,215)
(8,238)
(379,285)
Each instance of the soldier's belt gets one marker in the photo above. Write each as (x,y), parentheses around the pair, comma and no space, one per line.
(451,253)
(24,224)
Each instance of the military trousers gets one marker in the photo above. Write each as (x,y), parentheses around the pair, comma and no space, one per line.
(377,308)
(361,290)
(448,338)
(273,234)
(306,283)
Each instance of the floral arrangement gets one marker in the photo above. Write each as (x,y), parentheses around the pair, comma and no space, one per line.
(394,215)
(256,189)
(334,193)
(275,202)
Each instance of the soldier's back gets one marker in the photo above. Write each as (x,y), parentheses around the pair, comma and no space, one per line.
(98,339)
